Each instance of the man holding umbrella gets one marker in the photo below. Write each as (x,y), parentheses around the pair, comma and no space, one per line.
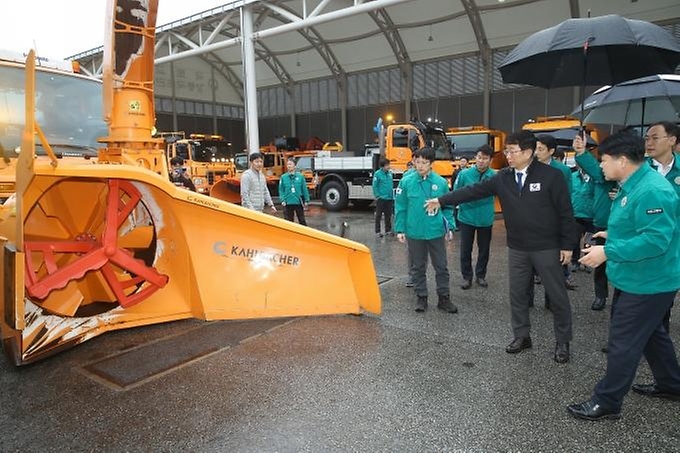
(643,256)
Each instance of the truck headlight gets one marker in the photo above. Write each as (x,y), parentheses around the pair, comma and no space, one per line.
(199,181)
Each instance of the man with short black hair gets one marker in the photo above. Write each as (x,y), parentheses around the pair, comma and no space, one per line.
(426,232)
(643,263)
(293,193)
(383,191)
(540,232)
(475,217)
(254,191)
(178,175)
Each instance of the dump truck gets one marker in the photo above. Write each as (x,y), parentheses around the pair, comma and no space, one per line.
(108,243)
(346,177)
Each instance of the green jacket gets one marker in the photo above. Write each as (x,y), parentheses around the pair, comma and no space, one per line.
(643,240)
(410,215)
(566,171)
(601,202)
(293,188)
(383,185)
(478,213)
(582,194)
(672,176)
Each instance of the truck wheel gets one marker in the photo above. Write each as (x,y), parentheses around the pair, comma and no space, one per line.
(334,196)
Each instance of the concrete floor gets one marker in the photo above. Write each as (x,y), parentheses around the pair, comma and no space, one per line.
(403,381)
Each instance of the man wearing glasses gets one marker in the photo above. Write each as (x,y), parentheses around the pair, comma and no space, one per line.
(540,233)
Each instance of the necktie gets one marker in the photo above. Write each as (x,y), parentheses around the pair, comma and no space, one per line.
(519,177)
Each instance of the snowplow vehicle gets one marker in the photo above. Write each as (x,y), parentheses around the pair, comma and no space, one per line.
(106,243)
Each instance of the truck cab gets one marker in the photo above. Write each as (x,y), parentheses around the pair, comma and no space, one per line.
(466,140)
(564,128)
(207,158)
(401,140)
(68,109)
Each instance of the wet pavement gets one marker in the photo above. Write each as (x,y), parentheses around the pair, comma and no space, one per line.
(402,381)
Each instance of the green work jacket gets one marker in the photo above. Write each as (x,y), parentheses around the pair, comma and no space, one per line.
(582,194)
(643,237)
(672,176)
(566,171)
(410,215)
(293,188)
(601,201)
(478,213)
(383,185)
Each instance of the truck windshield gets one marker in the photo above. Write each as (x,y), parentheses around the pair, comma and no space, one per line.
(441,146)
(68,110)
(241,162)
(466,145)
(212,151)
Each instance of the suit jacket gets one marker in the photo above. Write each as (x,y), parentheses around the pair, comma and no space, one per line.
(540,217)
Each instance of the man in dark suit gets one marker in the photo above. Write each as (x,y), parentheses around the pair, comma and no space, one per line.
(540,233)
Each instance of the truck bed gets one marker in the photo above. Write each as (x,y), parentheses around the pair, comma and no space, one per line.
(342,163)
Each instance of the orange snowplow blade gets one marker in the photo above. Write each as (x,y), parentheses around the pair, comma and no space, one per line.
(197,256)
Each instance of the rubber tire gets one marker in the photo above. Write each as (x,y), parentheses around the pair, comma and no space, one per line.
(334,196)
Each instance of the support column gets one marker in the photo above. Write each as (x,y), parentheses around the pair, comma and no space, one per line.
(175,127)
(408,91)
(213,90)
(293,113)
(342,99)
(249,80)
(487,93)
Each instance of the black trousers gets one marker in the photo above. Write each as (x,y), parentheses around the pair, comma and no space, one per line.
(583,226)
(521,266)
(291,210)
(383,207)
(419,250)
(600,273)
(467,239)
(635,329)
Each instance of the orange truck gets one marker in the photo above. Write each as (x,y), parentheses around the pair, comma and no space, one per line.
(207,158)
(564,128)
(466,140)
(345,177)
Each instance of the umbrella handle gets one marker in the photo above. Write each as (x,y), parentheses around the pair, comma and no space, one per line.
(586,46)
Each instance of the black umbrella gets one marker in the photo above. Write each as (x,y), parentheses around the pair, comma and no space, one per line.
(601,50)
(636,102)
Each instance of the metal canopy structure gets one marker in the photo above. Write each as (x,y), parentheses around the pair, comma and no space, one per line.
(261,43)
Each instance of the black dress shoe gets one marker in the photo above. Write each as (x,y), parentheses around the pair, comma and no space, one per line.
(561,352)
(467,284)
(518,344)
(590,410)
(599,303)
(653,391)
(481,281)
(421,303)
